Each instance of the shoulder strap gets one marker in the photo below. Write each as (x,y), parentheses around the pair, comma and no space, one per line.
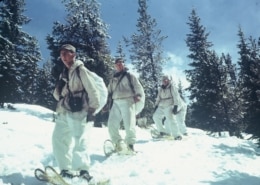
(130,81)
(118,82)
(77,71)
(171,91)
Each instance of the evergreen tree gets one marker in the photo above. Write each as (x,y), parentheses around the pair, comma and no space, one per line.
(229,98)
(231,69)
(232,99)
(85,30)
(19,54)
(208,78)
(181,90)
(200,54)
(249,82)
(146,55)
(45,87)
(119,52)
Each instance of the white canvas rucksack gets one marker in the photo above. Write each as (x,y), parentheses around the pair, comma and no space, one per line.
(101,86)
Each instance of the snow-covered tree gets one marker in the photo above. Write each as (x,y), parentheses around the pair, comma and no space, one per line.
(19,54)
(181,90)
(84,29)
(249,82)
(230,109)
(197,75)
(120,51)
(209,75)
(45,85)
(146,54)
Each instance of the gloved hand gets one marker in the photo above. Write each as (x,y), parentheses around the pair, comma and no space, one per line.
(174,110)
(137,98)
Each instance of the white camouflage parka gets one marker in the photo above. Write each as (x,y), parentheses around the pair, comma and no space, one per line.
(77,82)
(168,96)
(123,89)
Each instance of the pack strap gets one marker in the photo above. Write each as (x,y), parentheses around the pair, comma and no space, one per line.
(111,93)
(70,93)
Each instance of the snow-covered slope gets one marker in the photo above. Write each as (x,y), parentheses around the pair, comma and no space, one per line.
(25,142)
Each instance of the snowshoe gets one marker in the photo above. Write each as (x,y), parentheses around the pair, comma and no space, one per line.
(160,135)
(155,134)
(50,175)
(109,148)
(120,148)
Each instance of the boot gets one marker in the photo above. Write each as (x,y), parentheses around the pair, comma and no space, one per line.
(85,175)
(178,138)
(131,147)
(66,174)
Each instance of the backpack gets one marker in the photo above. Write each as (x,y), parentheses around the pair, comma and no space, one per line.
(101,86)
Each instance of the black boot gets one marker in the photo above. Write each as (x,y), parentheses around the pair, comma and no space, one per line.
(131,147)
(66,174)
(162,134)
(178,138)
(85,175)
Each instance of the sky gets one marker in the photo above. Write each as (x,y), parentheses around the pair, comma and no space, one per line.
(198,159)
(221,18)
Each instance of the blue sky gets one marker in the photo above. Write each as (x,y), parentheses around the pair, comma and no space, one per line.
(220,17)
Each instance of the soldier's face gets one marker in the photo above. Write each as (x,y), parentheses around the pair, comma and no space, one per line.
(119,66)
(67,57)
(165,82)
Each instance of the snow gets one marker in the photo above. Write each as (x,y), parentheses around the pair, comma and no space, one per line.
(25,142)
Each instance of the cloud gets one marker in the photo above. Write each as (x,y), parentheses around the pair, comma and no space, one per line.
(177,75)
(175,68)
(174,59)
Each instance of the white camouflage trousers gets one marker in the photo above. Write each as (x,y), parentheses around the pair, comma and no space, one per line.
(122,109)
(69,141)
(171,127)
(181,117)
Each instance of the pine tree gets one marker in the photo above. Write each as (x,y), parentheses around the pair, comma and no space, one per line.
(210,92)
(119,52)
(181,90)
(87,32)
(45,86)
(200,54)
(231,69)
(249,82)
(146,54)
(229,98)
(19,54)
